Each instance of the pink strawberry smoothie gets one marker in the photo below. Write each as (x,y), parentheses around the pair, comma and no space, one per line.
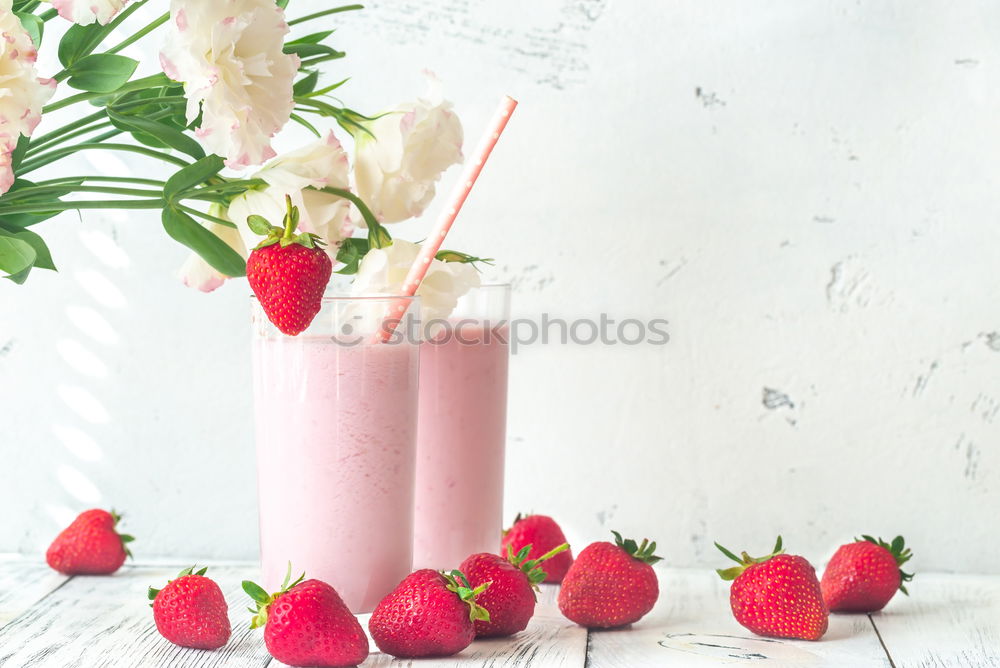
(460,446)
(336,429)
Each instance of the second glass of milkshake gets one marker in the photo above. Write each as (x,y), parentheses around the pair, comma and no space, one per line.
(462,430)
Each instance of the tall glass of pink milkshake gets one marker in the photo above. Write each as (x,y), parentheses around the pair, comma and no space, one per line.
(462,430)
(336,418)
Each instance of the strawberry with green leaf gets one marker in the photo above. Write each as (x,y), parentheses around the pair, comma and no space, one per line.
(429,613)
(191,611)
(91,545)
(864,575)
(511,594)
(306,623)
(611,584)
(776,595)
(288,272)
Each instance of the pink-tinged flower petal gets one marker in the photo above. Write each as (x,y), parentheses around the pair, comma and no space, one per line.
(397,169)
(383,270)
(229,55)
(299,174)
(6,170)
(85,12)
(24,93)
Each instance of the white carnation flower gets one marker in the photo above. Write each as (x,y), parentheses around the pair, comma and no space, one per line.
(229,55)
(320,164)
(383,270)
(396,171)
(22,93)
(86,12)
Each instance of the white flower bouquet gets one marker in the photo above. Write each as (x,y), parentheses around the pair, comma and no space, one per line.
(234,74)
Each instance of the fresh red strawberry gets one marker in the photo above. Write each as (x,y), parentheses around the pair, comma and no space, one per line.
(428,614)
(307,624)
(288,272)
(777,595)
(610,585)
(513,582)
(862,576)
(543,534)
(90,545)
(191,611)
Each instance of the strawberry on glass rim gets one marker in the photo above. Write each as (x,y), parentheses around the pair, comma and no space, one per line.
(288,272)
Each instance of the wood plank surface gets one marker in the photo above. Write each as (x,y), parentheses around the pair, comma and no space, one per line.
(100,622)
(48,620)
(948,621)
(692,625)
(22,584)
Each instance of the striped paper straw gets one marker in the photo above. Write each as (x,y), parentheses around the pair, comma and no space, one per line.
(450,212)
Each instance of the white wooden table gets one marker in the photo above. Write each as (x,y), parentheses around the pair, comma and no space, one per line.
(94,622)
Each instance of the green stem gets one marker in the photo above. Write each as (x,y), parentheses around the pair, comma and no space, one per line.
(93,204)
(325,12)
(45,159)
(34,149)
(104,179)
(153,81)
(243,184)
(55,134)
(139,35)
(107,190)
(378,237)
(174,100)
(207,216)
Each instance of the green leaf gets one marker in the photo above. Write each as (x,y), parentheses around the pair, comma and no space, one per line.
(730,573)
(260,225)
(312,51)
(729,554)
(80,41)
(17,256)
(33,25)
(170,136)
(312,38)
(350,253)
(43,257)
(19,151)
(255,592)
(101,72)
(216,252)
(191,176)
(306,84)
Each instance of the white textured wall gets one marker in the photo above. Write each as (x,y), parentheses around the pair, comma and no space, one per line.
(806,190)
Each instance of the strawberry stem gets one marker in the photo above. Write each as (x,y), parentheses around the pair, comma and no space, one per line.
(291,218)
(459,584)
(643,552)
(264,600)
(745,561)
(897,548)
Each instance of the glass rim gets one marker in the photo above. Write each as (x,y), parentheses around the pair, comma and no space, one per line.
(332,299)
(493,286)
